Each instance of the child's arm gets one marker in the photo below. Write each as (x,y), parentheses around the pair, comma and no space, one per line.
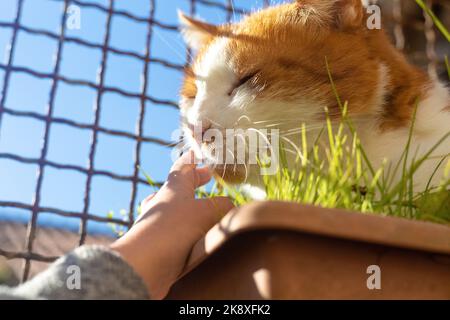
(158,246)
(147,260)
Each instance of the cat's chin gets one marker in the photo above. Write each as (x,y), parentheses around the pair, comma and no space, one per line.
(239,177)
(230,173)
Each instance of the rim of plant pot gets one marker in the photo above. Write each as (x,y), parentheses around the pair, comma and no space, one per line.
(337,223)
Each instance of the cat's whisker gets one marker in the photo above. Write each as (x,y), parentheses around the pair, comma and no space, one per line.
(273,125)
(241,136)
(227,150)
(235,161)
(241,118)
(224,171)
(290,151)
(245,157)
(177,52)
(269,144)
(246,171)
(261,134)
(306,127)
(300,131)
(215,123)
(282,120)
(299,152)
(233,10)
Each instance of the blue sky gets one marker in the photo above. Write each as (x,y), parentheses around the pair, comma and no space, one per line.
(64,189)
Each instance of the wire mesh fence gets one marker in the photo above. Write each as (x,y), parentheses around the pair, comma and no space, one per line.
(399,19)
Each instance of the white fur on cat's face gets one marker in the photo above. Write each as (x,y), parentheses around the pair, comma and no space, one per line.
(214,78)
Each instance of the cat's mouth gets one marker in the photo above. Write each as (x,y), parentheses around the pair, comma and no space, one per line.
(223,163)
(235,155)
(234,174)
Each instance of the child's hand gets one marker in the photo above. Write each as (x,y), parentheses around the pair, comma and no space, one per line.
(172,221)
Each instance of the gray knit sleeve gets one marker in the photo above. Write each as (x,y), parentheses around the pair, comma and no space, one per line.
(89,272)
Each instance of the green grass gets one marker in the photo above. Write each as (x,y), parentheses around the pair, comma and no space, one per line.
(345,179)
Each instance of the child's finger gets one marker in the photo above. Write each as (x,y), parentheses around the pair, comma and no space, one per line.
(187,160)
(203,176)
(216,208)
(149,198)
(183,168)
(185,172)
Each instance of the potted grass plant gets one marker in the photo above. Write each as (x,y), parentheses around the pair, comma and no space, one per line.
(323,235)
(335,228)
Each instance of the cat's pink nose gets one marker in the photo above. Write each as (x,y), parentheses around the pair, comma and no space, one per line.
(199,128)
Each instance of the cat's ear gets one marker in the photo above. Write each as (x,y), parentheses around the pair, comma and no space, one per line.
(345,14)
(350,13)
(196,33)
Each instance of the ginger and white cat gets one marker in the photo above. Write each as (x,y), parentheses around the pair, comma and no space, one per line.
(269,70)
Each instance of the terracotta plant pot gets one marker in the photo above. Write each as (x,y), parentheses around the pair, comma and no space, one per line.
(275,250)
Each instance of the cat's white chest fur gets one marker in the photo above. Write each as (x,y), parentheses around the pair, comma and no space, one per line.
(432,124)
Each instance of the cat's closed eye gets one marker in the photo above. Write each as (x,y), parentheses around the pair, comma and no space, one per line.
(244,80)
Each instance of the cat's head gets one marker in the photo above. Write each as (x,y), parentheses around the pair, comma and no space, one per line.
(269,70)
